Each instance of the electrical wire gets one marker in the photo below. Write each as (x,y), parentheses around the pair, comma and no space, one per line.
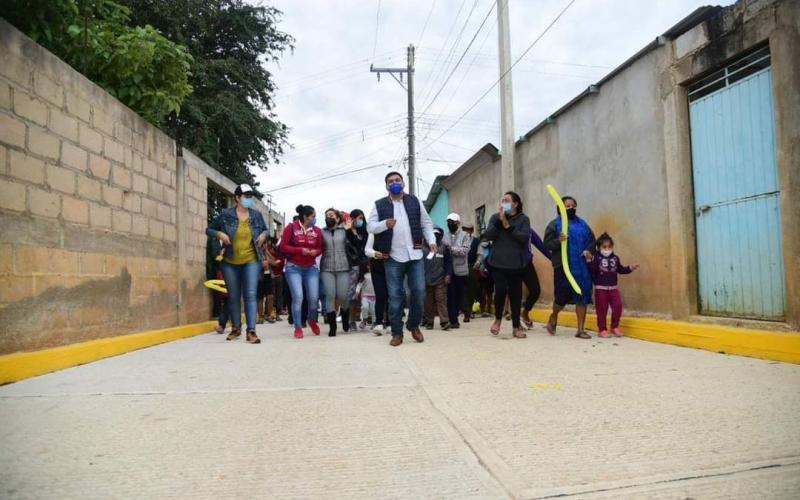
(458,63)
(377,26)
(524,53)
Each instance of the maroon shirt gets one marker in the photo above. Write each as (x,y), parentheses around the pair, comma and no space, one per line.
(296,238)
(605,269)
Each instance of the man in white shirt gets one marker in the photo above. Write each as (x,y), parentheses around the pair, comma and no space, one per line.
(401,226)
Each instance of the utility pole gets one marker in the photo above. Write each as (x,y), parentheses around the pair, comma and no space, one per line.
(507,180)
(409,70)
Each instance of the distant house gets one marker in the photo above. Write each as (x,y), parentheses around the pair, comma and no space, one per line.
(687,154)
(437,203)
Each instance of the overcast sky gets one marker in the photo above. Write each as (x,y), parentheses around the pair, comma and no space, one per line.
(341,118)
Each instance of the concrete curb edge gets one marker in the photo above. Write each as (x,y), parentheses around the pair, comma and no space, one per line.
(21,365)
(762,344)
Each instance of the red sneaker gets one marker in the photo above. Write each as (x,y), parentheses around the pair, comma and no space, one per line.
(314,327)
(298,333)
(603,334)
(617,332)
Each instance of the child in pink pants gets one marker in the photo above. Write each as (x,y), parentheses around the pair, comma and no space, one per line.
(604,267)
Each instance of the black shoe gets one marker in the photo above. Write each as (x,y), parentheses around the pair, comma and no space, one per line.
(466,319)
(455,326)
(345,320)
(428,326)
(330,318)
(446,326)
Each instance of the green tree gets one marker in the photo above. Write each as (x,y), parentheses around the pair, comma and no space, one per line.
(229,120)
(136,64)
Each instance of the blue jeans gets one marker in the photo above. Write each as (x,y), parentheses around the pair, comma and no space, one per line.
(242,280)
(414,270)
(298,278)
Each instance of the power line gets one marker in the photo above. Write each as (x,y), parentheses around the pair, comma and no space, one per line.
(549,26)
(429,85)
(452,51)
(425,26)
(327,177)
(455,67)
(377,25)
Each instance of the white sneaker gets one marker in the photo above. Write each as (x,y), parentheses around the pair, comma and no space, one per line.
(377,330)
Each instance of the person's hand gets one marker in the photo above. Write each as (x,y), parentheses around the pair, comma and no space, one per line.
(265,265)
(635,267)
(587,255)
(308,251)
(562,237)
(348,224)
(502,214)
(447,280)
(223,238)
(261,240)
(380,256)
(433,247)
(390,223)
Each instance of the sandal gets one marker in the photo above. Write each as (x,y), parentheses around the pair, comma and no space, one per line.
(495,329)
(520,333)
(252,338)
(551,326)
(526,319)
(583,335)
(235,333)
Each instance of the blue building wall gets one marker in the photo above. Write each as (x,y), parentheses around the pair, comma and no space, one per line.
(440,209)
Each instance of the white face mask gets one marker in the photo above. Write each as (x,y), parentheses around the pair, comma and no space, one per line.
(606,253)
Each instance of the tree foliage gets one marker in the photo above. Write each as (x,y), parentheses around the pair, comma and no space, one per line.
(229,119)
(136,64)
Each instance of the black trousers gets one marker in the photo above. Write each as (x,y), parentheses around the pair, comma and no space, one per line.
(455,297)
(531,280)
(471,292)
(508,282)
(381,295)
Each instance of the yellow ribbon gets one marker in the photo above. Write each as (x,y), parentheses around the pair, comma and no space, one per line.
(218,285)
(564,226)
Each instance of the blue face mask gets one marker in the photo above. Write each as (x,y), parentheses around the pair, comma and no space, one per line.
(313,222)
(396,188)
(247,202)
(360,223)
(507,207)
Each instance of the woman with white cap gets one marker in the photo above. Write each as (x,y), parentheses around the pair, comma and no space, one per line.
(242,231)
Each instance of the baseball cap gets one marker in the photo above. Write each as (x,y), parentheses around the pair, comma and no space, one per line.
(243,189)
(454,216)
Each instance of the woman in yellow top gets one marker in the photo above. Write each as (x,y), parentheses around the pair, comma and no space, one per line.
(243,232)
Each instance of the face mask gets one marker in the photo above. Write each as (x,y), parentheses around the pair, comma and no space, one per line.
(507,207)
(571,212)
(360,223)
(330,222)
(606,253)
(453,227)
(313,222)
(247,202)
(396,188)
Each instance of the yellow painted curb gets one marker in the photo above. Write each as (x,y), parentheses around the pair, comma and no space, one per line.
(22,365)
(763,344)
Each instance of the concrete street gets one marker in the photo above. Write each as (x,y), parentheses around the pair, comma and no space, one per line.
(463,415)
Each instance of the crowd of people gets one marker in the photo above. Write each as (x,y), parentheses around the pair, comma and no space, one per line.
(393,271)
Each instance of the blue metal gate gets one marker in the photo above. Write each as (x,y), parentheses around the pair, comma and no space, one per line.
(736,191)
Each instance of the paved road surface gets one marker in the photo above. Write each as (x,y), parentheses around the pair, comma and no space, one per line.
(463,415)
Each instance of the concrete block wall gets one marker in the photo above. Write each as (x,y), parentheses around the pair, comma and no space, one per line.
(89,229)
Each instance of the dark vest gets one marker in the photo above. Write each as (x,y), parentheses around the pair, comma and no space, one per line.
(383,241)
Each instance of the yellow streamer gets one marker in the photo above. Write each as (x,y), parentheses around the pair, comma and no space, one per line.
(218,285)
(564,227)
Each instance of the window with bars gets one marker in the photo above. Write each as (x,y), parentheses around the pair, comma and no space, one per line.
(480,218)
(746,65)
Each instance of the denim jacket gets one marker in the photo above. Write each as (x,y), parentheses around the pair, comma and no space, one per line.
(228,222)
